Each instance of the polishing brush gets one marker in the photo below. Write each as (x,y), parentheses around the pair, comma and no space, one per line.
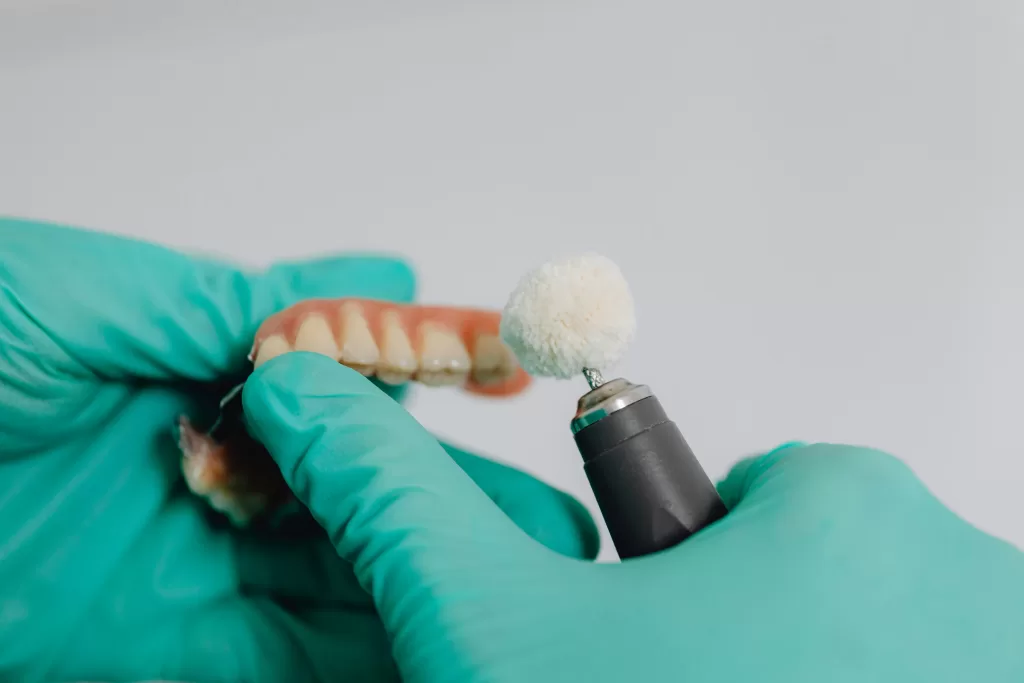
(576,316)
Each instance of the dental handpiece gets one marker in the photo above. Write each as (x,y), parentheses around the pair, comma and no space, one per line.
(575,315)
(651,489)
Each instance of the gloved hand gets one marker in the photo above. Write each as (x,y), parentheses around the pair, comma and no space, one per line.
(834,563)
(109,568)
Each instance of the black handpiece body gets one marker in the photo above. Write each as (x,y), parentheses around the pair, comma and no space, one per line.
(652,491)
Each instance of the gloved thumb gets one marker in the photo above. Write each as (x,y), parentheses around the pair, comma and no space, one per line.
(395,504)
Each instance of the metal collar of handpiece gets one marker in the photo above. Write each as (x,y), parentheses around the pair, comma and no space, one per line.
(605,400)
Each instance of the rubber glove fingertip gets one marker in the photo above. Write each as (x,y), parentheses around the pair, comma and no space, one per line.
(286,389)
(741,477)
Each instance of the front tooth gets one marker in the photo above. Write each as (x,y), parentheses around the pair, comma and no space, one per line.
(397,358)
(443,357)
(272,347)
(358,349)
(315,335)
(493,361)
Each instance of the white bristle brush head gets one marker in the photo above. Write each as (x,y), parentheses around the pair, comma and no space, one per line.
(568,315)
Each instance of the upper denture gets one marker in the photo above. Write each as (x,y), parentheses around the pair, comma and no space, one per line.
(437,346)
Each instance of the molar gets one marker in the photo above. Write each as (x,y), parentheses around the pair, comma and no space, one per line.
(444,360)
(493,361)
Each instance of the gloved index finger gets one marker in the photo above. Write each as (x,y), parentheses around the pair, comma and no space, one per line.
(394,503)
(91,304)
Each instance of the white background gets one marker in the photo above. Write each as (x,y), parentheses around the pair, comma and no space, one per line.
(819,205)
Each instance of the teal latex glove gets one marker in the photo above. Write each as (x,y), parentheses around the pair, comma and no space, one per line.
(109,568)
(834,563)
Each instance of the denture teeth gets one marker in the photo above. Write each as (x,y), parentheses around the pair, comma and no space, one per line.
(315,335)
(271,347)
(493,361)
(397,358)
(358,348)
(444,360)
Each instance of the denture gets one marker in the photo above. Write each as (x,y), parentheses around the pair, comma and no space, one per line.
(397,343)
(435,346)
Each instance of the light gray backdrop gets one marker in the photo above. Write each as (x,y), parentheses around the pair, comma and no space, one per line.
(819,204)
